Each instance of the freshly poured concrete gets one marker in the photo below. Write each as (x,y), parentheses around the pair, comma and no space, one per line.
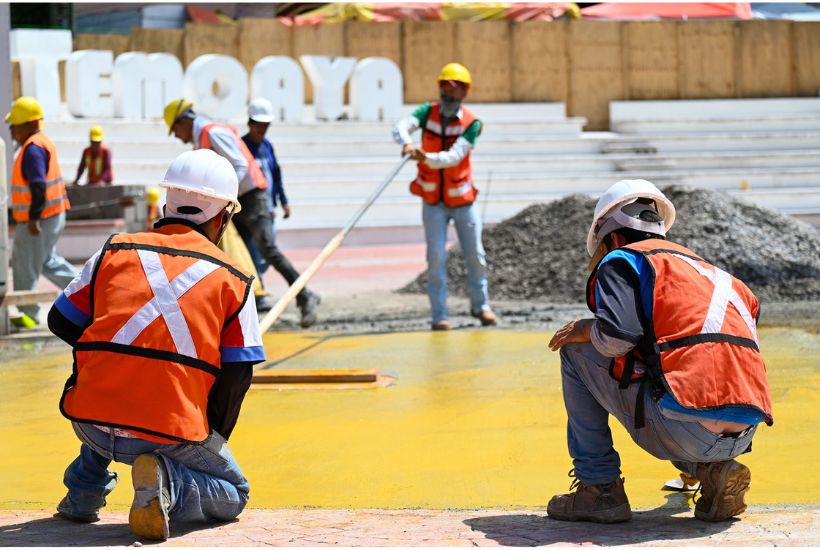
(476,420)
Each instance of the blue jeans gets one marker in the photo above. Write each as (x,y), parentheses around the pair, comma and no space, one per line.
(468,227)
(591,395)
(206,483)
(36,254)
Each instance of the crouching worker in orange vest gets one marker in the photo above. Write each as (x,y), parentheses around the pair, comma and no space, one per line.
(672,353)
(165,339)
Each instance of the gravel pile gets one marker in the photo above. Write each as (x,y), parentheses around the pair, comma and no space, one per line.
(540,253)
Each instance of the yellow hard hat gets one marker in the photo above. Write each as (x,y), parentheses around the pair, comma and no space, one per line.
(152,195)
(457,72)
(96,134)
(24,109)
(173,111)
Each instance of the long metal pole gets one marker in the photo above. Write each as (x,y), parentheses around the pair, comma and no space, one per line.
(5,162)
(330,248)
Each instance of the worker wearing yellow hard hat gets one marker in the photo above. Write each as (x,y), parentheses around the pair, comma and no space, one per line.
(445,184)
(38,204)
(97,158)
(255,221)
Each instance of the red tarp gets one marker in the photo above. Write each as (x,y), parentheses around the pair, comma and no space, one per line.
(630,11)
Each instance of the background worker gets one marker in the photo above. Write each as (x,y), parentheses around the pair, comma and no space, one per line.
(254,221)
(260,115)
(445,183)
(97,158)
(38,204)
(672,353)
(163,396)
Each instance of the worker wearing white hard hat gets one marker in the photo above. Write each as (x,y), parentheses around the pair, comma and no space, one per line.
(671,352)
(163,359)
(260,115)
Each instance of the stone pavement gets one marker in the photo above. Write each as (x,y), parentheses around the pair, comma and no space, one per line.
(669,525)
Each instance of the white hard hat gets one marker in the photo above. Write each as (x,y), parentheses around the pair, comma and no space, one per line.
(609,215)
(261,110)
(203,180)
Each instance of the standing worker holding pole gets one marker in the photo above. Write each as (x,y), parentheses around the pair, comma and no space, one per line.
(445,183)
(254,221)
(97,159)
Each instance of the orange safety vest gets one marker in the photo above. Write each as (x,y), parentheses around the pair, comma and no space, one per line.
(703,347)
(454,185)
(257,175)
(56,197)
(94,164)
(151,352)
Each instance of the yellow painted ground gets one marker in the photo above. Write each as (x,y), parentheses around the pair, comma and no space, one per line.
(476,420)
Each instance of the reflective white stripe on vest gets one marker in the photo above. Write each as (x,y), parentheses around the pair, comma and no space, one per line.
(461,190)
(722,296)
(165,302)
(428,186)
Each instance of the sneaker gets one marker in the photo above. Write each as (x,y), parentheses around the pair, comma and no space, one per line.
(263,304)
(605,503)
(149,511)
(722,486)
(441,325)
(487,317)
(308,308)
(64,511)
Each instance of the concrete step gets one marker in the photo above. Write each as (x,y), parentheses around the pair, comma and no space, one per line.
(747,141)
(703,126)
(484,166)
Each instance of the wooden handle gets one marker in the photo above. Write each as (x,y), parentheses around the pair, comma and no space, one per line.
(300,283)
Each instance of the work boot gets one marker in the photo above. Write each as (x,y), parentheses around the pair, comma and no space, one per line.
(64,511)
(722,486)
(441,325)
(308,307)
(263,304)
(605,503)
(487,317)
(152,498)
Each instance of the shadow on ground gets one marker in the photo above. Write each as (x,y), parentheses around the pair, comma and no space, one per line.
(659,524)
(55,531)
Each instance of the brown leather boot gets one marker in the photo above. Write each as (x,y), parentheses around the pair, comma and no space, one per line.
(722,487)
(606,503)
(441,325)
(487,318)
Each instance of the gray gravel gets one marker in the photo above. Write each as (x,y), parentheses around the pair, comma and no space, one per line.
(540,253)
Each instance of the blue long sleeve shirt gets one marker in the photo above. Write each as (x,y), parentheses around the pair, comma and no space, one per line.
(35,168)
(264,155)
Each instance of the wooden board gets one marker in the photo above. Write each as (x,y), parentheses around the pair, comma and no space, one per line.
(651,59)
(707,59)
(16,82)
(484,47)
(426,48)
(159,41)
(116,43)
(374,40)
(806,47)
(765,59)
(308,376)
(326,39)
(204,38)
(261,37)
(539,61)
(27,297)
(595,70)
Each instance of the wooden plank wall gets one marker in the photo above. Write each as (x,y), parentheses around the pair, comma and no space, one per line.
(585,64)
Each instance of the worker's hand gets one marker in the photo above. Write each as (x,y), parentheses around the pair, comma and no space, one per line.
(34,227)
(75,182)
(286,210)
(578,331)
(415,152)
